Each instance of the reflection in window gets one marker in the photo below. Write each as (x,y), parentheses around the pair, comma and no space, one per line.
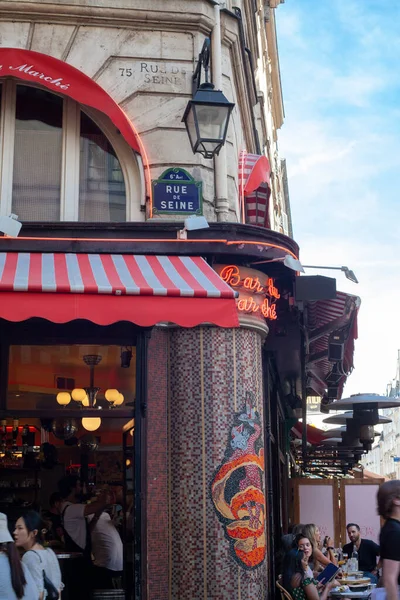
(37,155)
(101,187)
(38,373)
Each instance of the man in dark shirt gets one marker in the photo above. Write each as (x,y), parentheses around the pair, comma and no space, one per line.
(389,509)
(367,550)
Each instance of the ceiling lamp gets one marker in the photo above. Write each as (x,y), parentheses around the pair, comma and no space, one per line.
(87,396)
(91,423)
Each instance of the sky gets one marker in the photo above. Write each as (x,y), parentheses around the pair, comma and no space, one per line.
(340,73)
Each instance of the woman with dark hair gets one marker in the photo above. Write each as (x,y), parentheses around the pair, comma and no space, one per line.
(28,535)
(15,580)
(296,580)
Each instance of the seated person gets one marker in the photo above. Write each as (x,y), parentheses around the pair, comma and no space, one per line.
(52,518)
(297,580)
(368,552)
(318,560)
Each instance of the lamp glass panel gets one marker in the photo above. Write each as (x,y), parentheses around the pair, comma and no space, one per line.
(191,125)
(212,121)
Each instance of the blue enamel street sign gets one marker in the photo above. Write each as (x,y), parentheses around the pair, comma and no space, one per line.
(177,193)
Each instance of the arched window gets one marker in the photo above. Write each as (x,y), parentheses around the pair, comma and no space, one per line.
(63,162)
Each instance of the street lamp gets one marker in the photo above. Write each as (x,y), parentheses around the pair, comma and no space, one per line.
(349,274)
(207,115)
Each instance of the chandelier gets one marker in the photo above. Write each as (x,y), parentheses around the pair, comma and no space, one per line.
(87,397)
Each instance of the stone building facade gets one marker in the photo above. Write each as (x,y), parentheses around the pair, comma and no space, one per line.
(144,56)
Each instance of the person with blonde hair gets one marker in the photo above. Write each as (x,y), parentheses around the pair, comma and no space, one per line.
(389,509)
(318,559)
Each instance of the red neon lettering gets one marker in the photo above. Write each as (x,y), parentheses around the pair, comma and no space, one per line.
(231,275)
(269,311)
(272,290)
(253,284)
(248,305)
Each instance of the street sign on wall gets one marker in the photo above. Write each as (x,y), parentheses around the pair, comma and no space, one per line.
(177,193)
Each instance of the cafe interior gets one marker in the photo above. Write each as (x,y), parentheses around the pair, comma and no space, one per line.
(68,397)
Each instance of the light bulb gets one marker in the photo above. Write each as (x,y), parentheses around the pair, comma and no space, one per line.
(91,423)
(120,400)
(78,394)
(85,401)
(112,395)
(63,398)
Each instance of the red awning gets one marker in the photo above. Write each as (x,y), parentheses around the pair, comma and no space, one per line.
(328,316)
(254,191)
(106,288)
(254,170)
(60,77)
(314,435)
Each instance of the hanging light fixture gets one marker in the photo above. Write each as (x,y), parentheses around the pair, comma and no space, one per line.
(87,396)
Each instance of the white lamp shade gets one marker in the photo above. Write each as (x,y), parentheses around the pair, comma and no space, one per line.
(91,423)
(120,400)
(63,398)
(85,401)
(78,394)
(112,395)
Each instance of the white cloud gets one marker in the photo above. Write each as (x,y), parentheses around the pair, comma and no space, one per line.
(341,139)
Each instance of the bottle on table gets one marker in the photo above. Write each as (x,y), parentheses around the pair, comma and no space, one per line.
(354,558)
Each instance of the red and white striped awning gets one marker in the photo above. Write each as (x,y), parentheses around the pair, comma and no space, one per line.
(106,288)
(254,191)
(340,311)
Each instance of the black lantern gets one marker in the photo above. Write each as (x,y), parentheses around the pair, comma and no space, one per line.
(207,115)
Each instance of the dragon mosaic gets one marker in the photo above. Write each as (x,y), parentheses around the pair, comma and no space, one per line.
(237,488)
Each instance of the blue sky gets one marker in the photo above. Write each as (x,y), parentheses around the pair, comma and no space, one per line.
(341,138)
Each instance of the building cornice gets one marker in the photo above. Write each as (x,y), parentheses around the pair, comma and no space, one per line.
(225,239)
(201,14)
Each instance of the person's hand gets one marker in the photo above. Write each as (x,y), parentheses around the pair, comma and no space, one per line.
(330,543)
(332,584)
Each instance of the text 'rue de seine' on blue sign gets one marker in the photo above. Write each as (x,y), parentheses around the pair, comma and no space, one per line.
(177,193)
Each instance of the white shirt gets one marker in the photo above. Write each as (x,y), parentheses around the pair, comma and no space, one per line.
(40,560)
(75,522)
(107,546)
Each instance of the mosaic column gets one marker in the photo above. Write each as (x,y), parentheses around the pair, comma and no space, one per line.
(216,465)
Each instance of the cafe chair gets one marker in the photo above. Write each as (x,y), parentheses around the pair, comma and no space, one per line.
(284,593)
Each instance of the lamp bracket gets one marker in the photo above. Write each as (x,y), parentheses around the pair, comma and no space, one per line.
(204,61)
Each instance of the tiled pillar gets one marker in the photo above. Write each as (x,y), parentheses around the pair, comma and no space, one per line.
(156,460)
(216,479)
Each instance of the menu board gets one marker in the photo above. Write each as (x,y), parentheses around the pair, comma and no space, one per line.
(316,506)
(360,508)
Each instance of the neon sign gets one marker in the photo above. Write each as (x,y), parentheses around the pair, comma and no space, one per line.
(257,292)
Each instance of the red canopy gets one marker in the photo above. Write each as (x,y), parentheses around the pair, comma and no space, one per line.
(106,288)
(314,435)
(60,77)
(254,191)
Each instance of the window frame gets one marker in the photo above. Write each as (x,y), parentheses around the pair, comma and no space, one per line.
(130,162)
